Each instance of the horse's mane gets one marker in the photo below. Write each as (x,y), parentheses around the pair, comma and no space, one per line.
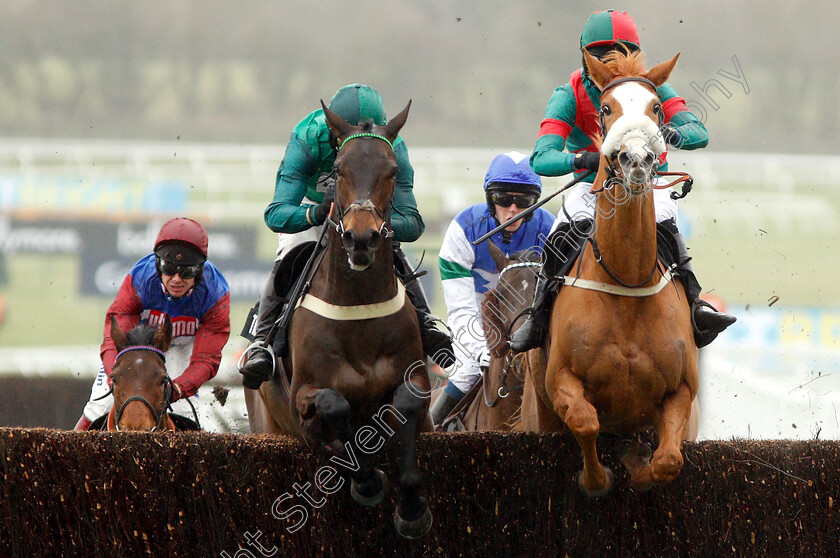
(624,64)
(142,334)
(526,255)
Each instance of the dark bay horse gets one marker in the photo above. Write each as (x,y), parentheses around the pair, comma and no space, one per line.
(496,404)
(622,356)
(141,385)
(354,342)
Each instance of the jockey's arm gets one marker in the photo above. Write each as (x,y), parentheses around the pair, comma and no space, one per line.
(405,218)
(126,308)
(462,312)
(285,214)
(549,157)
(210,339)
(692,132)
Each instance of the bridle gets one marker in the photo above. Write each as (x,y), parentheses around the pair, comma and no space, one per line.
(615,177)
(365,204)
(157,414)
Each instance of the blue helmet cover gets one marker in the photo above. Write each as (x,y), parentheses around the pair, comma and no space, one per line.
(512,172)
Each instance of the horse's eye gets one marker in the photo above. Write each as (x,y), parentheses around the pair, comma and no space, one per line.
(606,110)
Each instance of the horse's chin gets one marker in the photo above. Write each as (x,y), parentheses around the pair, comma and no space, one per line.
(360,261)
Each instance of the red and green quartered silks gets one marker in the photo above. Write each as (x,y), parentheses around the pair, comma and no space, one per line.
(571,122)
(308,157)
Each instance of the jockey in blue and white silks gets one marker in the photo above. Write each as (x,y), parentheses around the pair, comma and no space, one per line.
(468,271)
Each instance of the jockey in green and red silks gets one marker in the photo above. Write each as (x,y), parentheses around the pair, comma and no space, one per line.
(571,117)
(566,143)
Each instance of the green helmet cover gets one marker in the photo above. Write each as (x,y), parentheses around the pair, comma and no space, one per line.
(357,103)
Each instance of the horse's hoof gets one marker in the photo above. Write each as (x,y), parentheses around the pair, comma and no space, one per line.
(375,498)
(416,528)
(597,493)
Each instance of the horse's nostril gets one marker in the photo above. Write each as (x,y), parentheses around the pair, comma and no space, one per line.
(374,240)
(623,158)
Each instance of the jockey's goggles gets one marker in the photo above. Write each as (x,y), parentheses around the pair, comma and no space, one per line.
(185,271)
(503,199)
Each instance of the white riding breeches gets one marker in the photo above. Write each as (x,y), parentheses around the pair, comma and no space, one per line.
(580,203)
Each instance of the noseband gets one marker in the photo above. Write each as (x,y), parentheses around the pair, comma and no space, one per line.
(362,205)
(167,390)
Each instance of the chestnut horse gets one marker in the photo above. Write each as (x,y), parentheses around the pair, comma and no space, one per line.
(141,386)
(622,357)
(354,341)
(496,405)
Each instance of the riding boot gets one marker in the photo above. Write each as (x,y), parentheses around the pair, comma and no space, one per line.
(83,424)
(444,404)
(259,366)
(436,343)
(705,318)
(531,334)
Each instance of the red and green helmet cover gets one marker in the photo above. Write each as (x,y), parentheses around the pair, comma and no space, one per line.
(608,27)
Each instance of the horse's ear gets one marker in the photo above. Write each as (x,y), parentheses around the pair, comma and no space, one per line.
(336,123)
(117,335)
(392,129)
(163,336)
(598,71)
(498,256)
(659,73)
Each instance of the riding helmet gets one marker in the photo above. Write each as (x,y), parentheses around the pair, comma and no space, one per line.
(510,172)
(181,241)
(604,30)
(357,103)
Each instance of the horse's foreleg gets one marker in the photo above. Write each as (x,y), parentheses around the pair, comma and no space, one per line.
(582,419)
(412,518)
(671,426)
(333,410)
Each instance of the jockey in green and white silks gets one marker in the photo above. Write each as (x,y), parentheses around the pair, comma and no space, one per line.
(566,143)
(303,193)
(468,271)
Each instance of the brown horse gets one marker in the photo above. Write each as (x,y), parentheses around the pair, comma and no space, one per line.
(354,343)
(495,406)
(141,386)
(622,356)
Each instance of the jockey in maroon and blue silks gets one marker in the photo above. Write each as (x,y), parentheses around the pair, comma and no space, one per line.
(176,281)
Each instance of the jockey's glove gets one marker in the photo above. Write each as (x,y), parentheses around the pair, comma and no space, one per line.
(320,211)
(484,359)
(588,160)
(672,136)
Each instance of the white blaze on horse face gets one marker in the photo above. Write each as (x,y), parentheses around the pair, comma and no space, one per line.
(633,124)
